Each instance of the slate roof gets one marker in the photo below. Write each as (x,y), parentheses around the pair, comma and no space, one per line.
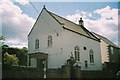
(69,25)
(105,40)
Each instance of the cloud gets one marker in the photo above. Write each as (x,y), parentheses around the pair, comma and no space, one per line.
(23,2)
(105,22)
(4,1)
(18,46)
(15,24)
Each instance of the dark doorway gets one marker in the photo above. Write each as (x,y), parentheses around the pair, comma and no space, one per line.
(40,63)
(40,66)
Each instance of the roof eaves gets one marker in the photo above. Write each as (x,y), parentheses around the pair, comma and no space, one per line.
(115,46)
(81,34)
(88,32)
(93,35)
(102,38)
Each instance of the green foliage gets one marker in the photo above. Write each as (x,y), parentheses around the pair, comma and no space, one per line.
(1,38)
(9,60)
(21,54)
(5,48)
(13,50)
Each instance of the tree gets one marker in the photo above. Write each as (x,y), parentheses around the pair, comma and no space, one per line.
(5,48)
(9,60)
(22,56)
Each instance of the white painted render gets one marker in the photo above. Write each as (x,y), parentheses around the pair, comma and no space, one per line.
(63,44)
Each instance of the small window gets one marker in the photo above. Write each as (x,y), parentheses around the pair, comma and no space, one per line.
(84,48)
(77,54)
(37,44)
(91,55)
(57,34)
(49,40)
(86,64)
(111,48)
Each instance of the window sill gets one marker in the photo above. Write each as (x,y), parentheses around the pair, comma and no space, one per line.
(49,46)
(36,50)
(92,63)
(78,62)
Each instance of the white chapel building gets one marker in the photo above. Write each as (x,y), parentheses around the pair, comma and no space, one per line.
(53,38)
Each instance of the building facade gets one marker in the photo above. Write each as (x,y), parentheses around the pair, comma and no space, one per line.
(110,53)
(53,39)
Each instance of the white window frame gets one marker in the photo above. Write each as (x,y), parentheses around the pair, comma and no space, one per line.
(91,56)
(77,53)
(36,44)
(49,41)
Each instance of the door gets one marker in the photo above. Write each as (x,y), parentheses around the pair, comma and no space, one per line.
(40,63)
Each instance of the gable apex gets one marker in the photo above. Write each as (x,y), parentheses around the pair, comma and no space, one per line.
(67,24)
(44,8)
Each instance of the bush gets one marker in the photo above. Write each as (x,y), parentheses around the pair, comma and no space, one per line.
(9,60)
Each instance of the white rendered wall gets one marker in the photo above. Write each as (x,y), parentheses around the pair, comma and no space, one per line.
(71,39)
(63,44)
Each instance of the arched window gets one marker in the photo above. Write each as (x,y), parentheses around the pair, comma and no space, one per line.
(77,54)
(91,55)
(49,40)
(37,44)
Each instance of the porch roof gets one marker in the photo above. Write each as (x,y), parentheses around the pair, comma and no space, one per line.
(38,55)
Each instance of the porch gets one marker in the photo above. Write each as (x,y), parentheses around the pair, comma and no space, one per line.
(38,59)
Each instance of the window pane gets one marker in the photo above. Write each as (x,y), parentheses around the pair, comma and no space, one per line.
(112,50)
(36,44)
(91,55)
(77,55)
(49,40)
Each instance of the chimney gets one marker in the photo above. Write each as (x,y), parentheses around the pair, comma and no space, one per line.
(44,7)
(81,22)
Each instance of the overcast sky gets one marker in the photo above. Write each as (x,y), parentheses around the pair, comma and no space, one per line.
(18,18)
